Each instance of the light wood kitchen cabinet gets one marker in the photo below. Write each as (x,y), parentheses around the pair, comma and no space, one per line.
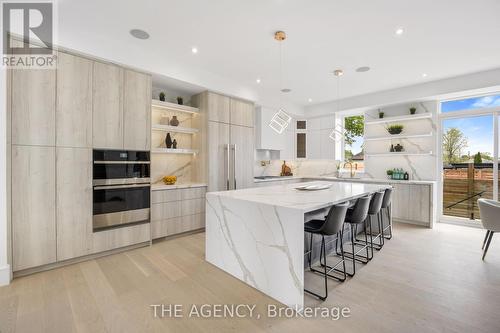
(107,115)
(74,101)
(136,110)
(242,138)
(33,206)
(177,210)
(242,113)
(412,202)
(218,139)
(33,99)
(218,107)
(73,202)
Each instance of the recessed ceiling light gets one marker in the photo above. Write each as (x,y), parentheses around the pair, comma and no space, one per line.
(399,31)
(140,34)
(424,75)
(258,80)
(362,69)
(310,100)
(286,90)
(194,50)
(338,72)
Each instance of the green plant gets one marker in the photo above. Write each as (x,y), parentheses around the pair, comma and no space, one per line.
(380,114)
(395,129)
(413,110)
(162,96)
(389,172)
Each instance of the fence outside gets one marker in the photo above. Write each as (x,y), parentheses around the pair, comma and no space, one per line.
(463,185)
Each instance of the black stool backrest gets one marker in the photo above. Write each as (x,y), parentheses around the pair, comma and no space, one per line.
(335,219)
(387,198)
(376,203)
(360,210)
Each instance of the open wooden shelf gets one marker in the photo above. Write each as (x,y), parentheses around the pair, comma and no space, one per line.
(173,151)
(156,104)
(176,129)
(399,136)
(399,118)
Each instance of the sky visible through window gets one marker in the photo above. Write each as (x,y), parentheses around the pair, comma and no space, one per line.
(477,130)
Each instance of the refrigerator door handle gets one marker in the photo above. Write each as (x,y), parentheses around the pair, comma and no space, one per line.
(234,165)
(228,166)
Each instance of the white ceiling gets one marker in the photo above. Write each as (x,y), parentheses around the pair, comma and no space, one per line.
(443,38)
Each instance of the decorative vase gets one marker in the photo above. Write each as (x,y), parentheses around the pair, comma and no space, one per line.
(392,149)
(398,148)
(180,101)
(174,121)
(168,141)
(174,144)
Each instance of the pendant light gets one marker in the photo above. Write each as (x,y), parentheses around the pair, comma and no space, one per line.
(338,131)
(281,119)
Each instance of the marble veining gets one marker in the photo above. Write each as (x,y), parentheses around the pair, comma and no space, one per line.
(257,234)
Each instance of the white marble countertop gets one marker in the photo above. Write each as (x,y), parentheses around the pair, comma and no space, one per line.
(287,196)
(356,180)
(161,186)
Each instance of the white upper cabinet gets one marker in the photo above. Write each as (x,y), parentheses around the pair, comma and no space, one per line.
(74,101)
(136,111)
(266,137)
(107,115)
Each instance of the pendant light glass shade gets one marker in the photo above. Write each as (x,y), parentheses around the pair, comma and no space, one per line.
(280,121)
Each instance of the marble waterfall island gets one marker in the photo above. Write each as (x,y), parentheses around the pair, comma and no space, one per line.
(257,234)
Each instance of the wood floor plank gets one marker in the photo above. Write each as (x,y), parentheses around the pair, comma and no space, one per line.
(421,281)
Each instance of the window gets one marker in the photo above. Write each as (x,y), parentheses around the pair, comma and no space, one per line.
(353,140)
(471,103)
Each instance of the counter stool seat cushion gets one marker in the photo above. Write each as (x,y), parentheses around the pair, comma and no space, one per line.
(313,226)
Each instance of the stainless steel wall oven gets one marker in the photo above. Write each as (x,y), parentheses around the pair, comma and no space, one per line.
(121,188)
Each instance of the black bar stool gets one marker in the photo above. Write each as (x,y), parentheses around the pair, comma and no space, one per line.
(375,210)
(386,205)
(355,216)
(332,225)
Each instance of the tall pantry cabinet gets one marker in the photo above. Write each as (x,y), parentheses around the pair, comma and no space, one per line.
(230,125)
(56,118)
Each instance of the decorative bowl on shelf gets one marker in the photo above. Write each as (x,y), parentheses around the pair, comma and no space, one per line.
(169,180)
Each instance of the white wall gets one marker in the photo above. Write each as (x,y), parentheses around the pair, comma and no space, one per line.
(4,266)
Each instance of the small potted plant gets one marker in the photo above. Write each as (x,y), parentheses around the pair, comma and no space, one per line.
(162,96)
(380,114)
(180,100)
(413,110)
(395,129)
(389,174)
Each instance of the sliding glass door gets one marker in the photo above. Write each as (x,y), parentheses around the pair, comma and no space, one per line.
(469,147)
(467,165)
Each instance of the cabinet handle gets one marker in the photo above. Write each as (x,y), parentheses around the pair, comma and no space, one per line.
(234,165)
(228,166)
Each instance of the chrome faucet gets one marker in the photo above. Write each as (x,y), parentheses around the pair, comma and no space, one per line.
(352,172)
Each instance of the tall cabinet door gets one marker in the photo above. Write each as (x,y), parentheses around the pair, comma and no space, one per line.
(136,110)
(218,107)
(74,101)
(242,113)
(33,206)
(242,139)
(74,202)
(107,114)
(218,140)
(33,106)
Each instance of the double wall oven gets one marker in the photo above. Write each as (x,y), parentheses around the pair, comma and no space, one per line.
(121,188)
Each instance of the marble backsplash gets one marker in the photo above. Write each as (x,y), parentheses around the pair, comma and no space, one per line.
(299,168)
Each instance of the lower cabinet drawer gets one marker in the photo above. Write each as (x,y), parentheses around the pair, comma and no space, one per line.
(165,210)
(177,225)
(192,206)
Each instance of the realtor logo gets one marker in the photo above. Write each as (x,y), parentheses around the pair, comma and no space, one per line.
(33,23)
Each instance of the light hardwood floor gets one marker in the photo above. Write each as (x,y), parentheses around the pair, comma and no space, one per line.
(422,281)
